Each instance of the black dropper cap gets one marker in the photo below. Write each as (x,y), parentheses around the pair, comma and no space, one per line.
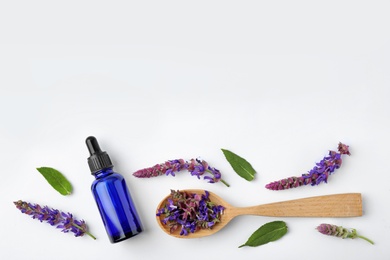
(98,159)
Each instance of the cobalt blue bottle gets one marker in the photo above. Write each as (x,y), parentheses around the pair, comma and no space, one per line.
(112,196)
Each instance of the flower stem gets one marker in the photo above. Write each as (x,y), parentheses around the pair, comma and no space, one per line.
(224,182)
(86,232)
(89,234)
(368,240)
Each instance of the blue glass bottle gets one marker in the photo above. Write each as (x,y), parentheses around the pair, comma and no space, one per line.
(112,196)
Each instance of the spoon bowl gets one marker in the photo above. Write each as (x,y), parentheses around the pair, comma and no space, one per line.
(336,205)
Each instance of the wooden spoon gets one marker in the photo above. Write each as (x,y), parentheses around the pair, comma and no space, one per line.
(337,205)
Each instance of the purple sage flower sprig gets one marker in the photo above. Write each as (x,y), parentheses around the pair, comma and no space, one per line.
(339,231)
(315,176)
(54,217)
(196,167)
(190,212)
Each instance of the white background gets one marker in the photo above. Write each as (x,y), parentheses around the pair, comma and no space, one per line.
(277,82)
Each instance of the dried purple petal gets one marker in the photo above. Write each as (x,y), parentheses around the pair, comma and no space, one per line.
(54,217)
(315,176)
(196,167)
(339,231)
(190,212)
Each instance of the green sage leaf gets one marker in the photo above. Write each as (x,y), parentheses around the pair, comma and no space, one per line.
(268,232)
(241,166)
(56,180)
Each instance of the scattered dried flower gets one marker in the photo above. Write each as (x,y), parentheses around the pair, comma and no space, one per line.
(315,176)
(54,217)
(196,167)
(339,231)
(190,212)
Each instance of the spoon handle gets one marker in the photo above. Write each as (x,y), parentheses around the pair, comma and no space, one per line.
(337,205)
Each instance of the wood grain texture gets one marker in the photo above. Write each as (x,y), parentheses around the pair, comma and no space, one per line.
(336,205)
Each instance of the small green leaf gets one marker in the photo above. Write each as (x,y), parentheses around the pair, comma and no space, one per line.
(241,166)
(56,180)
(269,232)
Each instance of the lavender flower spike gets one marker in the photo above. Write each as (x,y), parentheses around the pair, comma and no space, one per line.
(196,167)
(315,176)
(339,231)
(54,217)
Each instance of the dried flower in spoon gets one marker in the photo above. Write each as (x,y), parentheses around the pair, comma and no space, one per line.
(54,217)
(315,176)
(339,231)
(190,212)
(195,167)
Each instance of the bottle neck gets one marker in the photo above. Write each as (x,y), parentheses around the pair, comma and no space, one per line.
(103,172)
